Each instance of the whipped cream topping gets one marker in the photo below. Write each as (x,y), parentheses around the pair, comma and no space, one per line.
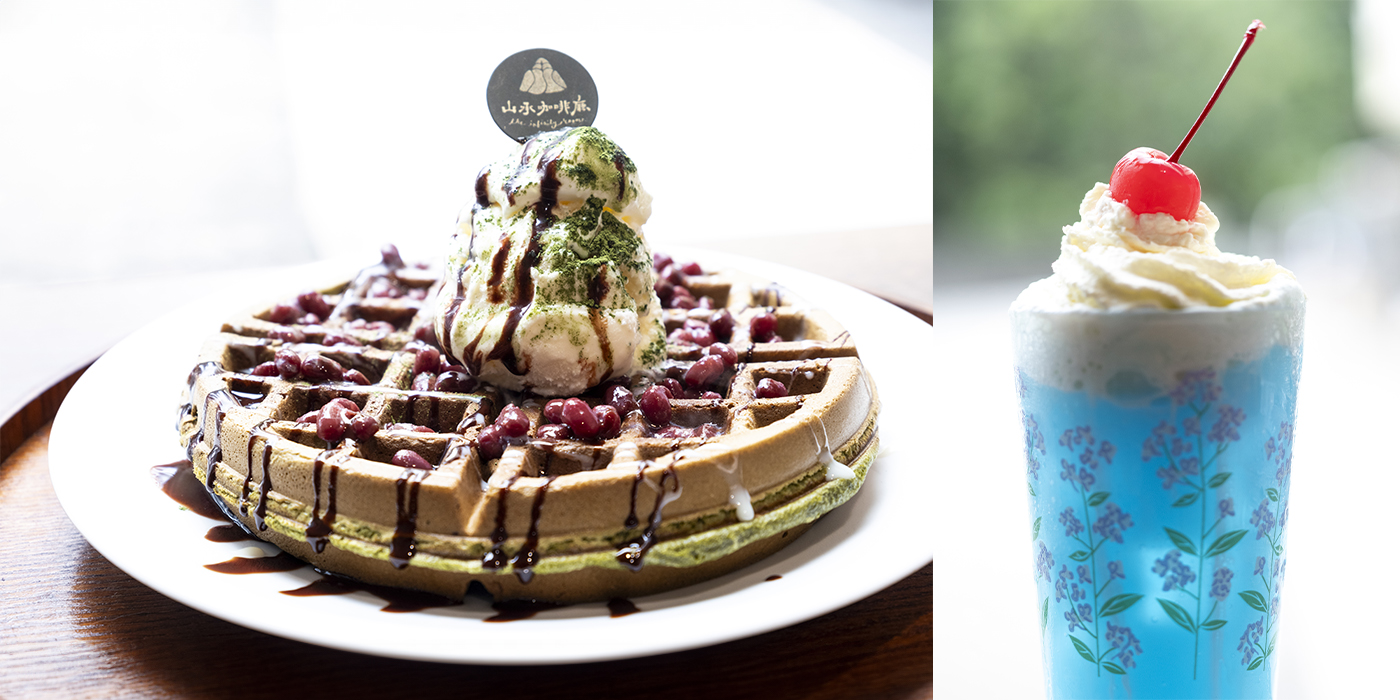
(1114,259)
(549,281)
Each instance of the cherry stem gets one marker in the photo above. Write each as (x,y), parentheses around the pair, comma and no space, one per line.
(1249,34)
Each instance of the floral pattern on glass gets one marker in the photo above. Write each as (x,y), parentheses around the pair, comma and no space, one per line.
(1269,520)
(1189,465)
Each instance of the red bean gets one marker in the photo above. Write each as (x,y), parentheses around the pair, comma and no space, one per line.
(266,369)
(426,361)
(309,417)
(490,443)
(334,338)
(722,325)
(709,395)
(664,291)
(426,334)
(355,376)
(705,371)
(347,404)
(364,426)
(288,363)
(410,460)
(763,327)
(283,313)
(287,335)
(770,389)
(655,403)
(554,410)
(699,331)
(390,256)
(553,432)
(580,419)
(682,301)
(621,399)
(673,388)
(727,353)
(513,422)
(454,380)
(609,422)
(331,425)
(314,303)
(316,368)
(659,261)
(423,382)
(692,268)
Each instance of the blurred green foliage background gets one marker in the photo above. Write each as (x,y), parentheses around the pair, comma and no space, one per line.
(1035,101)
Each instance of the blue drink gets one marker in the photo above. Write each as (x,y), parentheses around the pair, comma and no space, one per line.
(1159,446)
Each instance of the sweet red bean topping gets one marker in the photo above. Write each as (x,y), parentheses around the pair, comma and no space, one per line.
(700,332)
(553,432)
(770,389)
(660,261)
(763,328)
(513,422)
(426,334)
(580,419)
(314,303)
(621,399)
(490,442)
(692,268)
(423,382)
(724,352)
(355,376)
(426,360)
(288,363)
(682,299)
(266,369)
(363,426)
(673,388)
(284,313)
(709,395)
(554,410)
(334,338)
(722,325)
(417,293)
(705,303)
(705,372)
(347,404)
(287,335)
(309,417)
(410,460)
(664,291)
(609,422)
(409,427)
(317,368)
(454,380)
(332,423)
(655,403)
(389,255)
(674,275)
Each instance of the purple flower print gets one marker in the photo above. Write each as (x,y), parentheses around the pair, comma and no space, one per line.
(1174,572)
(1107,451)
(1191,426)
(1198,386)
(1220,585)
(1226,428)
(1112,523)
(1085,612)
(1086,479)
(1259,565)
(1115,570)
(1264,519)
(1190,466)
(1044,563)
(1062,584)
(1128,645)
(1074,620)
(1169,476)
(1179,447)
(1084,576)
(1035,442)
(1249,639)
(1072,524)
(1152,446)
(1225,507)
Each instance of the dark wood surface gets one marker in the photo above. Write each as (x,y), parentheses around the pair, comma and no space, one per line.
(72,625)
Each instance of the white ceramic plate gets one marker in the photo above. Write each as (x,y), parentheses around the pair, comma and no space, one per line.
(119,421)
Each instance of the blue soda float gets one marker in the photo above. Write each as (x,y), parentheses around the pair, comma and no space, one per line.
(1158,379)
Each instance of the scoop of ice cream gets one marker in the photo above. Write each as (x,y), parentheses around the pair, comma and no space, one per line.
(1115,259)
(549,280)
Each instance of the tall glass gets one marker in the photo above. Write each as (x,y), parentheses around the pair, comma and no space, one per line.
(1159,445)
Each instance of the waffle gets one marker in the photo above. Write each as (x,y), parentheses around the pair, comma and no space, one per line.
(729,481)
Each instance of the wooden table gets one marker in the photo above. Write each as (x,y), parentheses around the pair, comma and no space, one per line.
(72,625)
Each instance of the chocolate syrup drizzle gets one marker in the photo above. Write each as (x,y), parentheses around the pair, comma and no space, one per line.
(318,530)
(403,546)
(496,558)
(525,560)
(398,600)
(631,554)
(260,565)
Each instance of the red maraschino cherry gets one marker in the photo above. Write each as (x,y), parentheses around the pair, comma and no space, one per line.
(1148,181)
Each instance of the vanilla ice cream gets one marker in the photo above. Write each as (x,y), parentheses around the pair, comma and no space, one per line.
(549,280)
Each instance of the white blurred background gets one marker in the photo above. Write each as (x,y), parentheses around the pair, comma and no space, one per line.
(150,150)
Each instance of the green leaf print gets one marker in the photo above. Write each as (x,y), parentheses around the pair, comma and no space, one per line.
(1178,614)
(1225,542)
(1181,541)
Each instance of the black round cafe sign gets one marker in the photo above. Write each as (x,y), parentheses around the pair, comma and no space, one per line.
(540,90)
